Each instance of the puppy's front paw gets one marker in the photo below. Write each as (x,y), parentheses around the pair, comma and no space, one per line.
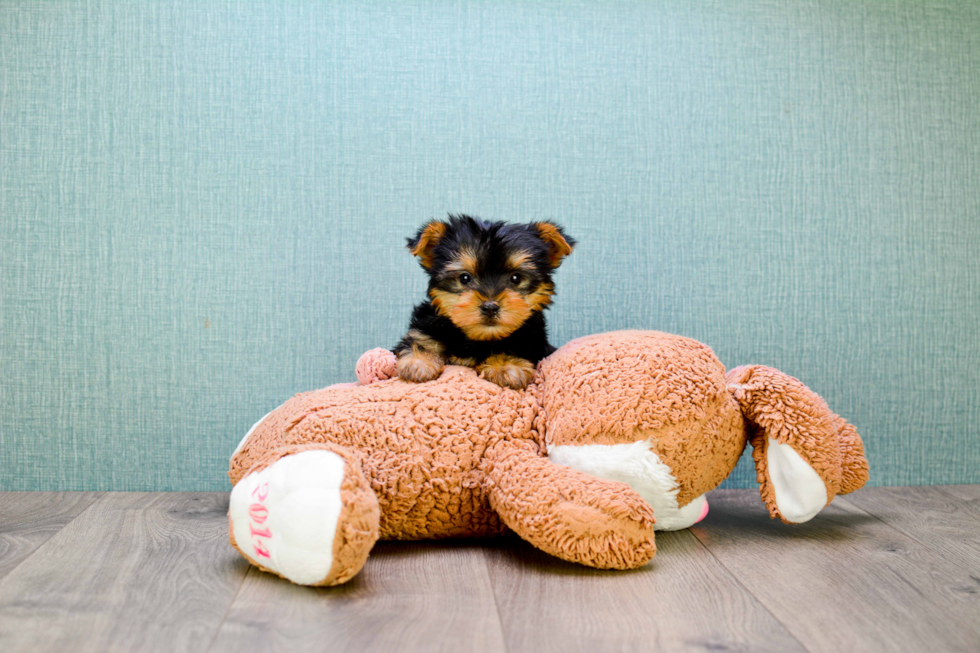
(419,368)
(507,371)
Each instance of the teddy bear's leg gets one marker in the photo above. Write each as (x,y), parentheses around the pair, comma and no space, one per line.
(306,513)
(567,513)
(637,465)
(804,454)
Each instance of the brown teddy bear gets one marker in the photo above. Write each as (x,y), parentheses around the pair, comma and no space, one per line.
(618,435)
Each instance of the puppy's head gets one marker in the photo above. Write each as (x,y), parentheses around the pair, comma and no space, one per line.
(489,277)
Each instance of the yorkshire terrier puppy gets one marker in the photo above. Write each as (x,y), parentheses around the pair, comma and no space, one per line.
(489,283)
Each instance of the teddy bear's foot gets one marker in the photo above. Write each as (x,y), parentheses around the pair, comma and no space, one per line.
(689,515)
(309,516)
(637,465)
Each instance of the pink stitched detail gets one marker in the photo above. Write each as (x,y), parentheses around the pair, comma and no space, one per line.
(258,513)
(261,550)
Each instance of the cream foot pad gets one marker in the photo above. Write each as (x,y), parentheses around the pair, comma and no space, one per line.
(285,516)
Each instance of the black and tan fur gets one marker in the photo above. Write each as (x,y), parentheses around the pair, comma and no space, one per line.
(489,283)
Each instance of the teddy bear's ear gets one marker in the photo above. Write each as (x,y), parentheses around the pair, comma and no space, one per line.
(423,244)
(804,454)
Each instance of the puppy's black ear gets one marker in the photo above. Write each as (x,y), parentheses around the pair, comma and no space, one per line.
(424,243)
(559,245)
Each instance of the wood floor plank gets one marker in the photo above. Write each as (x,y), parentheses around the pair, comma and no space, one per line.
(968,494)
(931,517)
(427,596)
(683,600)
(845,580)
(29,519)
(134,572)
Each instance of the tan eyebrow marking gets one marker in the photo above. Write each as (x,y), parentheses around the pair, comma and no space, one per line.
(518,260)
(465,262)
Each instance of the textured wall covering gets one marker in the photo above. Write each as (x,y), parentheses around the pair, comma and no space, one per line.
(204,205)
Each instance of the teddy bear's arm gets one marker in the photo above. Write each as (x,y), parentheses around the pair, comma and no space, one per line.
(376,365)
(567,513)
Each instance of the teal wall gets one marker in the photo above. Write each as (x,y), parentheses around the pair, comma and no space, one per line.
(204,205)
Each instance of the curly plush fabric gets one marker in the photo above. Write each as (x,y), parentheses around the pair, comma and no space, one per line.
(627,386)
(421,445)
(462,457)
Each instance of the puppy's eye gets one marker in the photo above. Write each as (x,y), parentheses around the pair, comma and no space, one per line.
(516,279)
(465,278)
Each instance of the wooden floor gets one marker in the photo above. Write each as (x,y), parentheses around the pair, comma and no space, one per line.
(883,569)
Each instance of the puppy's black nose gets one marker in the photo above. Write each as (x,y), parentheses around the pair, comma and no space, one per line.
(490,309)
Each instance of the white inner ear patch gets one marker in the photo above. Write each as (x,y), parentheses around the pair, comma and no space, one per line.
(640,468)
(800,493)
